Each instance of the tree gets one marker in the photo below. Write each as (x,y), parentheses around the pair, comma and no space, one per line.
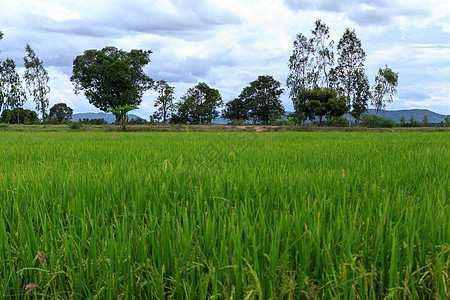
(447,120)
(236,110)
(36,80)
(19,115)
(164,101)
(112,78)
(262,99)
(323,54)
(60,112)
(351,80)
(300,64)
(12,94)
(199,105)
(425,121)
(385,88)
(122,112)
(320,102)
(403,121)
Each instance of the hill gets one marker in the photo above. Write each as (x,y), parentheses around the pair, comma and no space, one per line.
(418,115)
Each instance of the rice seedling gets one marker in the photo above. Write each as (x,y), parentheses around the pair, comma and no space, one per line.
(225,215)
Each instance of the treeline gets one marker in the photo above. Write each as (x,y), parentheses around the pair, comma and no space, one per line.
(322,83)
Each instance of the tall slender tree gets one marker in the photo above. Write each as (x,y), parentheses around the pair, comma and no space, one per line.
(323,54)
(12,93)
(350,74)
(300,66)
(165,99)
(36,80)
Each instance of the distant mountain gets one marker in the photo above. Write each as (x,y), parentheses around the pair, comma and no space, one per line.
(110,118)
(389,114)
(418,115)
(396,115)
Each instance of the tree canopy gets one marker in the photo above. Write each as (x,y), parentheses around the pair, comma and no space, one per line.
(199,105)
(61,112)
(112,78)
(320,102)
(259,101)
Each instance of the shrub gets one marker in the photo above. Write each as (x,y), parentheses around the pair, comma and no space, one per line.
(75,125)
(374,121)
(337,122)
(4,125)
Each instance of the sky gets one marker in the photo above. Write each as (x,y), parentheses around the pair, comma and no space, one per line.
(229,43)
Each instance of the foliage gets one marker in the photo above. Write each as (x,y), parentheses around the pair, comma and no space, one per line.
(235,110)
(199,105)
(374,121)
(385,88)
(36,80)
(164,101)
(425,121)
(447,120)
(261,100)
(402,121)
(337,121)
(19,115)
(138,121)
(323,54)
(112,78)
(349,75)
(75,125)
(12,94)
(122,113)
(229,216)
(300,67)
(61,112)
(413,122)
(320,102)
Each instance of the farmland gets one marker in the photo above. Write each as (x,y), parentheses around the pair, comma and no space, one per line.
(229,215)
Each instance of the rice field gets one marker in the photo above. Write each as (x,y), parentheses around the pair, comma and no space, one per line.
(95,215)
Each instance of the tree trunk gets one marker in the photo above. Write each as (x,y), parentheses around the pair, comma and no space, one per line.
(320,120)
(118,119)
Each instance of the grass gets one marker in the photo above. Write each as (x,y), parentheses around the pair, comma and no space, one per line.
(225,215)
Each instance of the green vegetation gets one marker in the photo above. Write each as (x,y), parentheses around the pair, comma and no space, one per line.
(257,215)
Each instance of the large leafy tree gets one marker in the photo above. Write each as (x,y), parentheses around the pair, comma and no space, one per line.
(12,93)
(236,110)
(112,78)
(351,80)
(262,98)
(165,99)
(386,82)
(199,105)
(320,102)
(61,112)
(36,80)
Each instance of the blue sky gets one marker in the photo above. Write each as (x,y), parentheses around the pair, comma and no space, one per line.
(229,43)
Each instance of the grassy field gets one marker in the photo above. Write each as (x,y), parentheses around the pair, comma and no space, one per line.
(291,215)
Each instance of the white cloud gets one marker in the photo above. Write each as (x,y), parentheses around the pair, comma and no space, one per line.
(227,44)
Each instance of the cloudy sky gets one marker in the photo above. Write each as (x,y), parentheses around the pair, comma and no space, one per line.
(228,43)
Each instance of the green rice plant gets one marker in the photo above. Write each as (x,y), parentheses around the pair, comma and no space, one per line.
(225,215)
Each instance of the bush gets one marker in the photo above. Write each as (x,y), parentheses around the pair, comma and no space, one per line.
(337,122)
(4,125)
(75,125)
(374,121)
(237,122)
